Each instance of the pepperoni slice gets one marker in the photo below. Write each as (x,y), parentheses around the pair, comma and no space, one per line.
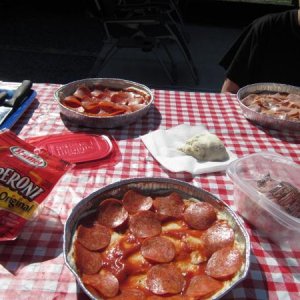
(87,262)
(138,91)
(121,97)
(203,286)
(130,294)
(113,108)
(112,213)
(169,206)
(218,236)
(71,101)
(200,215)
(158,249)
(135,202)
(97,92)
(165,279)
(145,224)
(105,283)
(95,237)
(176,297)
(224,263)
(83,93)
(91,107)
(135,107)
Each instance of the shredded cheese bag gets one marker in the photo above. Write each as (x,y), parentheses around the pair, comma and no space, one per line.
(27,176)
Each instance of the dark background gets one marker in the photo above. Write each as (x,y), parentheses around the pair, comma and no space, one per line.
(59,41)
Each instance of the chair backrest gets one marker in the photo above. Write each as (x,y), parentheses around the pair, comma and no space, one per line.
(107,8)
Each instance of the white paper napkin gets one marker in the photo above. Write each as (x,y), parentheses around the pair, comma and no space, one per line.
(164,144)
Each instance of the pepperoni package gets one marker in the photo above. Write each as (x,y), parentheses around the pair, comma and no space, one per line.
(143,245)
(26,179)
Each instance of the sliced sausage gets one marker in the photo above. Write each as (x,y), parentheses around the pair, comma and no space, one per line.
(87,261)
(158,249)
(130,294)
(175,297)
(105,283)
(145,224)
(224,263)
(218,236)
(83,93)
(71,101)
(203,286)
(169,206)
(165,279)
(200,215)
(112,213)
(134,202)
(95,237)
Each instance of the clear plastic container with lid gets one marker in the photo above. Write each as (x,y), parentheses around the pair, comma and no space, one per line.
(267,194)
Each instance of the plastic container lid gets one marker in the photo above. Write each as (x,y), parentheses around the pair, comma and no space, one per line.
(76,147)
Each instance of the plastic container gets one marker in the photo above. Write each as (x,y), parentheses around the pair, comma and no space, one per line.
(257,178)
(84,150)
(76,148)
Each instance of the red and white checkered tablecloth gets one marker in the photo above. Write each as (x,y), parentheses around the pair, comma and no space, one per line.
(32,267)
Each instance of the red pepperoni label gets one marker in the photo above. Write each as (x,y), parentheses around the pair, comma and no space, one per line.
(27,177)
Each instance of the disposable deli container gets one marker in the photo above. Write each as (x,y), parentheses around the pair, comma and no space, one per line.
(83,119)
(267,194)
(264,119)
(155,187)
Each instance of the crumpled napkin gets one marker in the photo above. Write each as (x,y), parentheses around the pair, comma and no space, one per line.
(164,144)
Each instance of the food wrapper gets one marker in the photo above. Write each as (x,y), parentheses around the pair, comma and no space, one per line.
(27,176)
(164,146)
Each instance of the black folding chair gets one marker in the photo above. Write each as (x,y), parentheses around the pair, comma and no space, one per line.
(147,25)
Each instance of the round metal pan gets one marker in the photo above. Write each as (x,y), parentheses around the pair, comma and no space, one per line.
(264,119)
(154,187)
(81,119)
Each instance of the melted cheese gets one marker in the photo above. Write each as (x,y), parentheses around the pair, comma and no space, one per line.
(137,260)
(136,281)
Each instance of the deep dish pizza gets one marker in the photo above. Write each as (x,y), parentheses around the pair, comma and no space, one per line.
(156,247)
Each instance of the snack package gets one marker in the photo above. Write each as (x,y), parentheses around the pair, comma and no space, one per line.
(27,176)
